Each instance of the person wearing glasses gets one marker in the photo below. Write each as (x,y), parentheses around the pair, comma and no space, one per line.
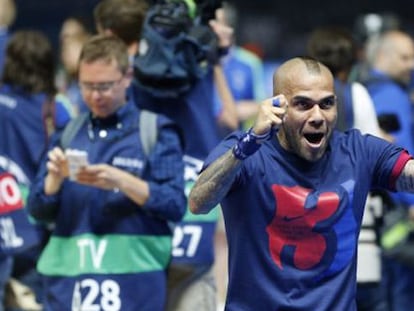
(293,190)
(111,241)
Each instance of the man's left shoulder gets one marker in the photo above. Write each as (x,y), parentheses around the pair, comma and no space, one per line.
(348,137)
(356,142)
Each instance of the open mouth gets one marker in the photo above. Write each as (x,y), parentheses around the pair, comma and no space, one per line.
(314,138)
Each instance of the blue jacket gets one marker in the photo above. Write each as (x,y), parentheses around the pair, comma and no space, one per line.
(23,129)
(129,246)
(23,140)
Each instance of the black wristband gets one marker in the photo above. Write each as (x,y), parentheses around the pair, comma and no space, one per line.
(246,145)
(215,56)
(222,51)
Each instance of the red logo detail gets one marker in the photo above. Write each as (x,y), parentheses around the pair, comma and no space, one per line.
(293,225)
(10,196)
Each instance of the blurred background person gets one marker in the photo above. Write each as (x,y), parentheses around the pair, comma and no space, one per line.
(73,26)
(244,73)
(365,27)
(29,115)
(7,17)
(390,57)
(123,18)
(335,47)
(73,35)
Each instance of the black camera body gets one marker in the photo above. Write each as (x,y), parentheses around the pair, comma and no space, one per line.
(176,47)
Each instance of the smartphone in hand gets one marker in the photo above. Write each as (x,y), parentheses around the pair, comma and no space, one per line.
(76,159)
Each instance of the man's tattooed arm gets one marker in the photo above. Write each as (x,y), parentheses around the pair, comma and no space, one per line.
(405,181)
(214,183)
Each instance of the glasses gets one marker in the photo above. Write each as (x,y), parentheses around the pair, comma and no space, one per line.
(100,87)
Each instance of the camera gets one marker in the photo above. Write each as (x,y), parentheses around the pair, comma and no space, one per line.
(176,47)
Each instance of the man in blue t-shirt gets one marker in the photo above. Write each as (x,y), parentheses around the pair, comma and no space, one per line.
(292,191)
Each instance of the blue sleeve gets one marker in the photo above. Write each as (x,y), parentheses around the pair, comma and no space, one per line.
(166,182)
(41,207)
(385,166)
(226,144)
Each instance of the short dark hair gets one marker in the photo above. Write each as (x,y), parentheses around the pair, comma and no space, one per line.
(334,47)
(30,63)
(123,17)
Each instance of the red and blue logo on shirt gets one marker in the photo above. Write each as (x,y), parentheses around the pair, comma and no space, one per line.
(304,222)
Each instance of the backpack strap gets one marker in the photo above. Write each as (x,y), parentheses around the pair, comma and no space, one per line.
(71,129)
(148,130)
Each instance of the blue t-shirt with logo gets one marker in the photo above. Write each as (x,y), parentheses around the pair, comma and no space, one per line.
(292,225)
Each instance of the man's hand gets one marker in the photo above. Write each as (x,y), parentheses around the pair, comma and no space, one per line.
(108,177)
(222,30)
(270,115)
(102,176)
(57,168)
